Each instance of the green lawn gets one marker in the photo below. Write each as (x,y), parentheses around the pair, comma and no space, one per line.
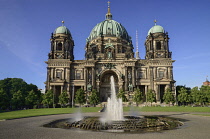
(46,111)
(202,114)
(175,109)
(52,111)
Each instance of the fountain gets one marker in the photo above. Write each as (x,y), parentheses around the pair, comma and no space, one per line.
(114,110)
(114,121)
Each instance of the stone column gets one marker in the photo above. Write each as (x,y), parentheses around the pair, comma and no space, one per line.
(63,75)
(158,92)
(155,90)
(154,45)
(146,89)
(169,73)
(162,45)
(55,45)
(151,78)
(167,76)
(48,78)
(93,78)
(68,81)
(72,94)
(52,74)
(155,72)
(85,78)
(148,73)
(133,77)
(68,74)
(126,78)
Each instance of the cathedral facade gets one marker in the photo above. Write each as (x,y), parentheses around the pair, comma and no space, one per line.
(109,52)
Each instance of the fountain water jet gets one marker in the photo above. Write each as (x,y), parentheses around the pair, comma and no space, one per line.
(114,110)
(77,115)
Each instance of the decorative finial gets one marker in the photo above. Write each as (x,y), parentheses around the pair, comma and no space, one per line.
(155,21)
(109,15)
(62,23)
(207,79)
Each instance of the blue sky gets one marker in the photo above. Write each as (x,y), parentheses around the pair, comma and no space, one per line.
(26,27)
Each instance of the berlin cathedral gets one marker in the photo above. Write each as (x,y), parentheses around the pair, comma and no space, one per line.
(109,52)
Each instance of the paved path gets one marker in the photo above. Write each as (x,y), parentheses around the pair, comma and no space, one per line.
(195,127)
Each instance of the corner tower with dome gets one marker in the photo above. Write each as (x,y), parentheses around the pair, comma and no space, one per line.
(109,52)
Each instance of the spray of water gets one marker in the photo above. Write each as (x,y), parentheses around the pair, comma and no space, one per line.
(77,115)
(114,110)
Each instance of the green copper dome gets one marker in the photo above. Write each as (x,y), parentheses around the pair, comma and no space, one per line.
(109,28)
(156,29)
(62,30)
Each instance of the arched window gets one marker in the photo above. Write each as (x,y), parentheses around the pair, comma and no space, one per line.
(141,75)
(58,74)
(59,46)
(158,45)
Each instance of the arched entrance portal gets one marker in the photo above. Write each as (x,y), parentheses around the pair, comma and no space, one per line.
(105,87)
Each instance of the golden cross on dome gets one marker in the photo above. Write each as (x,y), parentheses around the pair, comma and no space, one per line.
(155,21)
(108,3)
(109,15)
(62,23)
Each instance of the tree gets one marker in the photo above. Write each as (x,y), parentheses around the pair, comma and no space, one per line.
(48,98)
(183,95)
(151,96)
(63,98)
(94,99)
(10,86)
(80,96)
(121,94)
(168,97)
(18,84)
(178,88)
(32,99)
(4,100)
(18,100)
(205,92)
(138,96)
(194,93)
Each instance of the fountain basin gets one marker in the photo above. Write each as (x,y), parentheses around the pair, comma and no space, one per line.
(130,124)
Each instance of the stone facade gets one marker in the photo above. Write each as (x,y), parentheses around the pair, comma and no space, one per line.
(110,53)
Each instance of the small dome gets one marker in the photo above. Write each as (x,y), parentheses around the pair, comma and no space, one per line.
(156,29)
(62,30)
(109,27)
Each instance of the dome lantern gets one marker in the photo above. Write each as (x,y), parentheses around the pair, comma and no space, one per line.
(62,30)
(156,29)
